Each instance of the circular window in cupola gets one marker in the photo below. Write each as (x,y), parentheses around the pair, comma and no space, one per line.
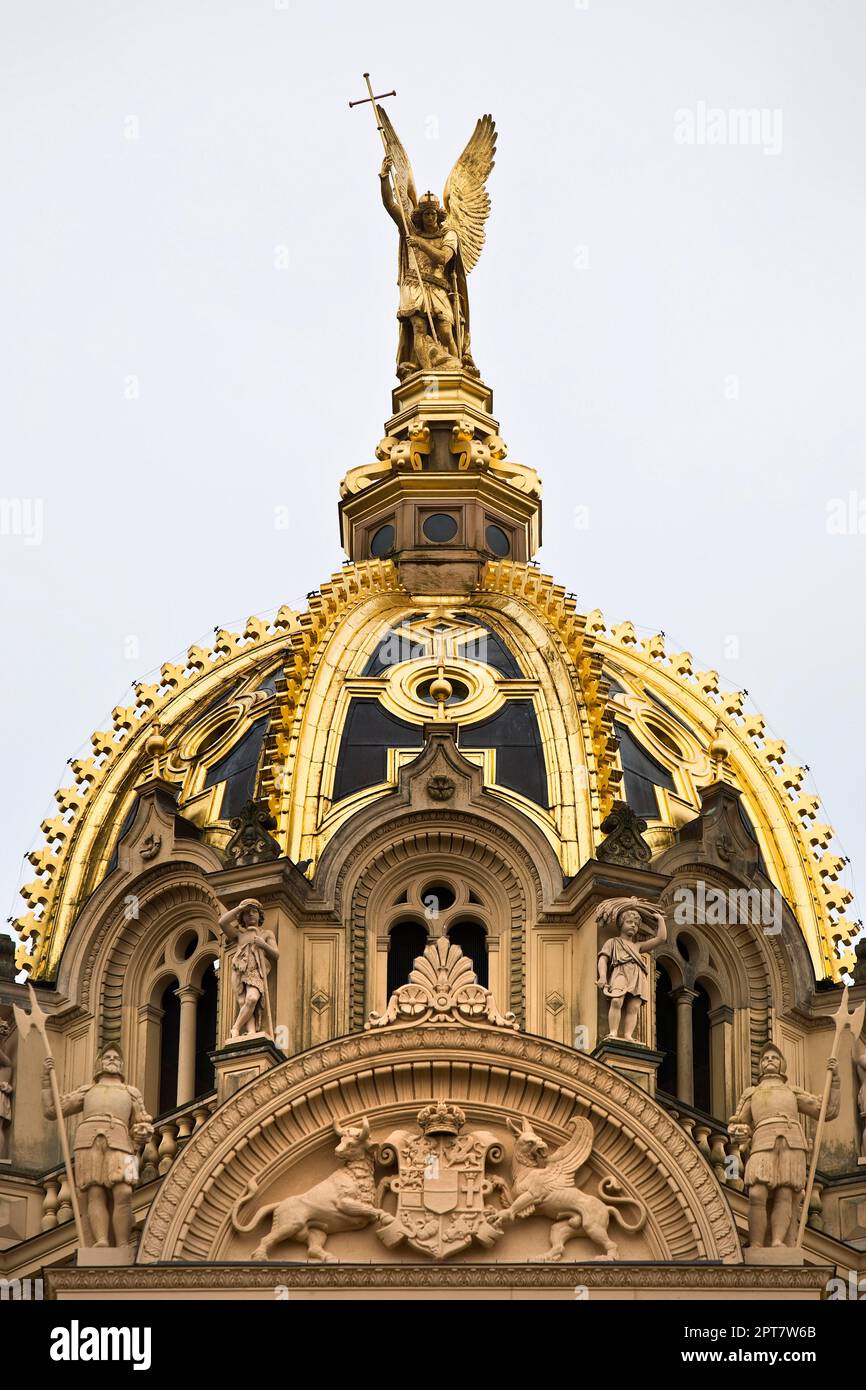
(439,528)
(497,541)
(664,738)
(383,542)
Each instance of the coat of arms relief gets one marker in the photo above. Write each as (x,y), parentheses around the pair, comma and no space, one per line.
(444,1196)
(442,1184)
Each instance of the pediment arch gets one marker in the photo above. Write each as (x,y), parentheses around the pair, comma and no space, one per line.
(278,1131)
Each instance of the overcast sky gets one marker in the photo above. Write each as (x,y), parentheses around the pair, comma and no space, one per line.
(199,296)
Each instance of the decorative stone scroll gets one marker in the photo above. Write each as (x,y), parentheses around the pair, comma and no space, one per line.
(442,988)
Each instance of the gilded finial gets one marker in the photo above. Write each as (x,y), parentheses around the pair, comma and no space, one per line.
(441,689)
(156,747)
(719,752)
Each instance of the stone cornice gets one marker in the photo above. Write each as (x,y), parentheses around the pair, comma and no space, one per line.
(234,1278)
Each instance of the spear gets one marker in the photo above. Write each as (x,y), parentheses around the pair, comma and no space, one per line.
(36,1019)
(844,1020)
(399,198)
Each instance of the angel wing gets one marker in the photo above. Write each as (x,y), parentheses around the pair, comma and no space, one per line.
(563,1165)
(403,175)
(465,198)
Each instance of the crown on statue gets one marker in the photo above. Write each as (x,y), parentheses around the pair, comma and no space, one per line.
(441,1118)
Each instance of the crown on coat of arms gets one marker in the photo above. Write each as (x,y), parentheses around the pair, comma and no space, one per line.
(441,1118)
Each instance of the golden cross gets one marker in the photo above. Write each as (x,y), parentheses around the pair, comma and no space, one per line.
(363,102)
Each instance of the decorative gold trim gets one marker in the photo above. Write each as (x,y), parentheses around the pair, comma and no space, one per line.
(794,845)
(80,838)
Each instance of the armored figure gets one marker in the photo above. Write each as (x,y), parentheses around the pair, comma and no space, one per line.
(767,1119)
(114,1124)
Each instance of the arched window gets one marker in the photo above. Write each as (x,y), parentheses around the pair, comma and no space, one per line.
(666,1032)
(178,1020)
(439,899)
(406,940)
(472,940)
(701,1050)
(206,1032)
(169,1045)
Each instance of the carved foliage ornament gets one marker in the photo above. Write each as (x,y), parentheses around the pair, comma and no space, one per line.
(624,842)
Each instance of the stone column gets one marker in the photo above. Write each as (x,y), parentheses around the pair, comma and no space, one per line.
(380,972)
(150,1018)
(723,1096)
(684,998)
(189,996)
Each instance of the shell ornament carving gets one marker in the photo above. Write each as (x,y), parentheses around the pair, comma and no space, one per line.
(442,988)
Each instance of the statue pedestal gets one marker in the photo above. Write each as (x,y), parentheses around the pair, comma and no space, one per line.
(102,1255)
(632,1060)
(773,1255)
(442,395)
(240,1060)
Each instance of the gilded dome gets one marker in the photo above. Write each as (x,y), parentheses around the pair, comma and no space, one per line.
(314,714)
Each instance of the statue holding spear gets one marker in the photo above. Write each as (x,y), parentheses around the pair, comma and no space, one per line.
(768,1123)
(114,1125)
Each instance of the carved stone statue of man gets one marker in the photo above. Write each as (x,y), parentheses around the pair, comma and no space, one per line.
(767,1119)
(114,1124)
(861,1102)
(257,949)
(624,965)
(6,1089)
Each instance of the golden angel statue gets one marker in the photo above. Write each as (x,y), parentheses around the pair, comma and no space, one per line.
(439,245)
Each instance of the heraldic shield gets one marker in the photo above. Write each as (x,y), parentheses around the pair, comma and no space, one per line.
(442,1185)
